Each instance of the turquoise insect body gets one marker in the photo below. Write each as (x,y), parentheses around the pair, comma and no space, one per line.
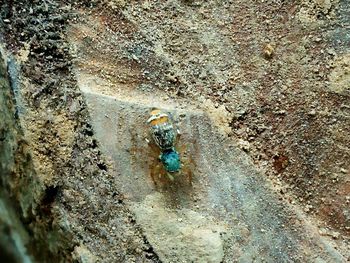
(163,134)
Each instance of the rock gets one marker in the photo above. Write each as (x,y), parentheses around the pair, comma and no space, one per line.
(268,51)
(244,145)
(83,255)
(340,76)
(180,235)
(343,170)
(312,112)
(117,42)
(325,5)
(220,116)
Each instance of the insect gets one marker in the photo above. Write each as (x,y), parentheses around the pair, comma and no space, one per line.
(164,134)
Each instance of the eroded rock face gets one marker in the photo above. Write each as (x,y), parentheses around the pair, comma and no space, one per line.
(217,202)
(181,235)
(53,158)
(194,59)
(178,63)
(340,75)
(13,236)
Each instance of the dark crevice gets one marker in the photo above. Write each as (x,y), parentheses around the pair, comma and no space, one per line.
(150,253)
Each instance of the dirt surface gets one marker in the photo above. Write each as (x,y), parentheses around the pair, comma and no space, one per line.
(272,76)
(218,208)
(289,109)
(65,155)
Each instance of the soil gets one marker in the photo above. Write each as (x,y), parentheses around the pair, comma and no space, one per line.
(273,76)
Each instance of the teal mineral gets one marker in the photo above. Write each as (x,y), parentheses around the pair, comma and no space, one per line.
(171,160)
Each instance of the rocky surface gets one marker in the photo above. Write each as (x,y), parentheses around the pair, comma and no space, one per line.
(268,78)
(13,235)
(217,200)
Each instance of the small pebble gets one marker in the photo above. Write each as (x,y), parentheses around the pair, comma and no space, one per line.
(268,51)
(312,112)
(343,170)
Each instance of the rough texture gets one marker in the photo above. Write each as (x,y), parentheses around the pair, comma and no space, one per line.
(217,191)
(12,232)
(175,233)
(55,199)
(272,76)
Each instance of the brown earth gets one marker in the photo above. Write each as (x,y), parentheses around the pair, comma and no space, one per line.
(273,77)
